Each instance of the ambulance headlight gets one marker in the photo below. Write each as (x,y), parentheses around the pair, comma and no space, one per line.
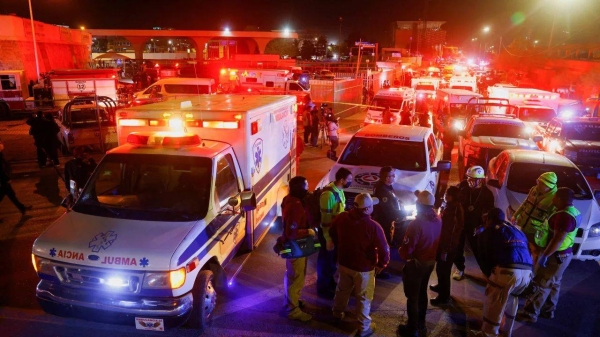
(594,230)
(41,265)
(528,129)
(458,125)
(165,280)
(117,282)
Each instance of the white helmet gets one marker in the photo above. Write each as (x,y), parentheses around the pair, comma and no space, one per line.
(476,172)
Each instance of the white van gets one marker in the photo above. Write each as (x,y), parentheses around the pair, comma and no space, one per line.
(154,233)
(175,87)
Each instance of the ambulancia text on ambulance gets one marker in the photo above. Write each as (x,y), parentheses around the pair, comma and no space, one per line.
(397,99)
(413,151)
(157,227)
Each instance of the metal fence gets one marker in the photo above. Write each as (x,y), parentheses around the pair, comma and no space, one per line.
(343,95)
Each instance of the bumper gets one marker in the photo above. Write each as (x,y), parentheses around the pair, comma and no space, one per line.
(586,248)
(62,301)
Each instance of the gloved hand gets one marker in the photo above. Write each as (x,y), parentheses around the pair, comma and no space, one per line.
(330,246)
(542,260)
(311,232)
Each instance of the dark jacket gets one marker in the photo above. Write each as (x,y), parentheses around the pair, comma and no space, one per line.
(452,226)
(294,218)
(482,201)
(422,238)
(360,242)
(388,209)
(503,245)
(79,171)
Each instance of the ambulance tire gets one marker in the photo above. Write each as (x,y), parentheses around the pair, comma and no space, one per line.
(205,300)
(4,110)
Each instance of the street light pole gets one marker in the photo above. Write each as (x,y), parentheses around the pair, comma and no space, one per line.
(37,65)
(552,31)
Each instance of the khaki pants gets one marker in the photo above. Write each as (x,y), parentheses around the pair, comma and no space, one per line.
(547,279)
(294,282)
(501,299)
(363,287)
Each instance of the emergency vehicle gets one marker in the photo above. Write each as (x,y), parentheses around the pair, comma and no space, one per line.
(463,82)
(451,107)
(13,91)
(425,87)
(397,99)
(521,96)
(413,151)
(65,85)
(173,88)
(266,82)
(158,224)
(68,84)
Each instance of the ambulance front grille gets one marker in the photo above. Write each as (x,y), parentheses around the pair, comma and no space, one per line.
(124,282)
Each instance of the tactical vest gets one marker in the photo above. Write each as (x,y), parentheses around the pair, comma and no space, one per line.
(542,235)
(534,213)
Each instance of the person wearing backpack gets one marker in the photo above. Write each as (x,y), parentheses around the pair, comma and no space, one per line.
(452,226)
(295,226)
(332,202)
(556,239)
(505,260)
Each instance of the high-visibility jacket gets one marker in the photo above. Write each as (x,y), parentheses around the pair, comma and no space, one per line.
(543,234)
(536,209)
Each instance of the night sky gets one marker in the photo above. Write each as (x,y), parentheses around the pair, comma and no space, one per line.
(371,18)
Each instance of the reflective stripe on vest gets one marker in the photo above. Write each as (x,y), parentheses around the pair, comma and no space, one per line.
(541,237)
(535,214)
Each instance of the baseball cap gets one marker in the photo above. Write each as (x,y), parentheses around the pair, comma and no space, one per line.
(425,198)
(365,200)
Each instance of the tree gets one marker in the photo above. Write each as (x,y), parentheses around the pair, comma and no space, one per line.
(307,50)
(282,47)
(589,83)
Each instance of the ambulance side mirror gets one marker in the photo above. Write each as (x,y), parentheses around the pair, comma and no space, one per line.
(248,199)
(442,165)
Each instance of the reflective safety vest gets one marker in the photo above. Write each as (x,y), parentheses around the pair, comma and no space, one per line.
(535,210)
(543,234)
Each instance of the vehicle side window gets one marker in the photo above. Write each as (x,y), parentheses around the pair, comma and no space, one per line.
(295,87)
(226,183)
(501,166)
(431,150)
(557,129)
(151,89)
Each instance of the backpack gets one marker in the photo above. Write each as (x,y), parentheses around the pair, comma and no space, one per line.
(314,204)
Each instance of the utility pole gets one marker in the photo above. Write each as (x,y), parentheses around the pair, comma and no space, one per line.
(358,59)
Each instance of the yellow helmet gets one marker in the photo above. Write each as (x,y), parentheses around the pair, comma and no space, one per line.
(476,172)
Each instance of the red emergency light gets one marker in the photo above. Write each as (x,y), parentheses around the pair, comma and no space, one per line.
(137,139)
(181,140)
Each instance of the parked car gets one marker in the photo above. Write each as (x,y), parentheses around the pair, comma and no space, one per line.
(324,74)
(512,174)
(485,136)
(577,139)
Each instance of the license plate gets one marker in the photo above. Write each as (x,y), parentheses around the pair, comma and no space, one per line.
(154,324)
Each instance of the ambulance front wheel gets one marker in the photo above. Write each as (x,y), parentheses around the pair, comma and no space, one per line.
(205,300)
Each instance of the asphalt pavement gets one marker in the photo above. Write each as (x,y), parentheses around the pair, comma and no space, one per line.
(253,304)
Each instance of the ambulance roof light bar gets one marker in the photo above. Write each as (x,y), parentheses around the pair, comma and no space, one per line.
(171,139)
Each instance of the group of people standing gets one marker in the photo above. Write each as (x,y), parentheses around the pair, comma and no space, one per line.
(315,121)
(526,255)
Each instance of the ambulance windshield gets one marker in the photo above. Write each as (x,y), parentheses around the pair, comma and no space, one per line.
(148,187)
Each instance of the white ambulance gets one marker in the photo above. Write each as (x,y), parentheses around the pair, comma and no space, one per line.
(464,82)
(397,99)
(158,224)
